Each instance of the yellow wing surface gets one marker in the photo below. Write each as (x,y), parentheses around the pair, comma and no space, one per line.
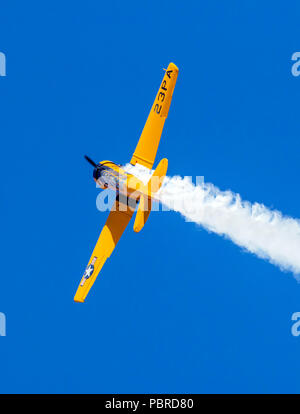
(115,225)
(144,154)
(146,149)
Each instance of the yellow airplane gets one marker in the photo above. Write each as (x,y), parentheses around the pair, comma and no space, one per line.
(129,189)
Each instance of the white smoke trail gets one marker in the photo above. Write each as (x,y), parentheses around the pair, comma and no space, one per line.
(264,232)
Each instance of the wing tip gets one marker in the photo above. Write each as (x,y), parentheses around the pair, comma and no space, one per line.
(78,300)
(173,66)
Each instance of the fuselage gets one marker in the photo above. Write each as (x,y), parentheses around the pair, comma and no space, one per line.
(107,174)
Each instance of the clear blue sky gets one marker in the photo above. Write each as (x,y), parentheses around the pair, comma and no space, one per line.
(175,309)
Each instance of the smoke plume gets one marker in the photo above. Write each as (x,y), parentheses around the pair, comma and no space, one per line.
(264,232)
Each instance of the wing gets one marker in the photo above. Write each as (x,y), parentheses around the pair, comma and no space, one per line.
(115,225)
(146,149)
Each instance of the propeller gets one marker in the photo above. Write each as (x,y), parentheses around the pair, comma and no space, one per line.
(90,161)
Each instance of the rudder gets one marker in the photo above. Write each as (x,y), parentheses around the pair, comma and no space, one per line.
(153,186)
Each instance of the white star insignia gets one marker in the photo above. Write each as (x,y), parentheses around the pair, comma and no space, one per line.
(88,272)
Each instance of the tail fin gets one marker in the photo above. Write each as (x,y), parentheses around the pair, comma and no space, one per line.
(153,186)
(158,176)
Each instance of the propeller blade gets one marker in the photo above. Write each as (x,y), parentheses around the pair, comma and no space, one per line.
(90,161)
